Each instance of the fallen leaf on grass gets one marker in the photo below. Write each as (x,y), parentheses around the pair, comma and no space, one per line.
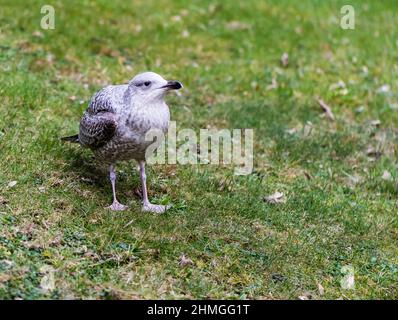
(176,18)
(88,180)
(237,25)
(285,59)
(352,180)
(137,28)
(38,34)
(56,240)
(386,176)
(184,261)
(273,85)
(109,52)
(3,201)
(277,197)
(328,55)
(128,223)
(47,282)
(339,85)
(384,89)
(6,264)
(355,179)
(4,277)
(185,34)
(12,184)
(326,109)
(360,109)
(321,289)
(307,175)
(375,123)
(28,229)
(373,153)
(305,296)
(393,106)
(57,182)
(138,192)
(308,129)
(291,131)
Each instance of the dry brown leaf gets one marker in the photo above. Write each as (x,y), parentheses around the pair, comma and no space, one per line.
(375,123)
(56,240)
(307,175)
(47,282)
(373,153)
(277,197)
(305,296)
(28,229)
(34,244)
(308,129)
(321,289)
(4,277)
(184,261)
(57,182)
(3,201)
(326,109)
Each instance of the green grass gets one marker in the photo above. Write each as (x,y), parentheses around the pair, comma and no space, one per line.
(338,211)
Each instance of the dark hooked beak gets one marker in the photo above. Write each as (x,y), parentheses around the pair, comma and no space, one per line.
(172,85)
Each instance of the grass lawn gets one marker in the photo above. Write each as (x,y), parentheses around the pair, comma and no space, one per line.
(339,178)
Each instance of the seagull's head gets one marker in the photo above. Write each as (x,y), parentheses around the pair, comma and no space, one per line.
(151,87)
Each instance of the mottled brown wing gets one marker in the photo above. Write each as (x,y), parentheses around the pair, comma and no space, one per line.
(97,129)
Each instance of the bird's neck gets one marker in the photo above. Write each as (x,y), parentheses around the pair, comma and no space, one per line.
(144,104)
(135,101)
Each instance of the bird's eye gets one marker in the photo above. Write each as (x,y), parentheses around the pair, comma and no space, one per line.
(147,83)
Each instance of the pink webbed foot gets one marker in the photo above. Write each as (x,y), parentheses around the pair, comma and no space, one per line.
(155,208)
(117,206)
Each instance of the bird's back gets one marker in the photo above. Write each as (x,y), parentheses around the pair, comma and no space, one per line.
(109,99)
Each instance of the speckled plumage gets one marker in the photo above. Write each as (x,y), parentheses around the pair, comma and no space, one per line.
(114,125)
(117,120)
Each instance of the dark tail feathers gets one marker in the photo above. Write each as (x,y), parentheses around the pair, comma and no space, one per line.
(73,139)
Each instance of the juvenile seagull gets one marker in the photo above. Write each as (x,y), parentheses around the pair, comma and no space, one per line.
(116,122)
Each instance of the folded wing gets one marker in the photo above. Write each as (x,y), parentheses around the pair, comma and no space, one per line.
(98,124)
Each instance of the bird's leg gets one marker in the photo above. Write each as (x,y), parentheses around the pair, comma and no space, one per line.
(143,184)
(116,205)
(147,206)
